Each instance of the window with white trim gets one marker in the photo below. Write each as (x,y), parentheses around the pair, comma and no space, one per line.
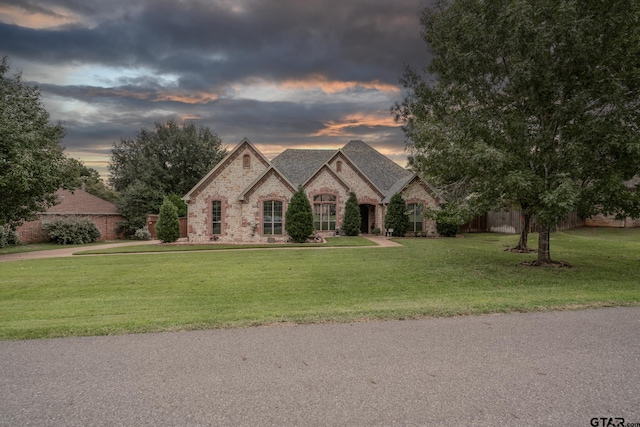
(216,217)
(415,216)
(271,217)
(324,212)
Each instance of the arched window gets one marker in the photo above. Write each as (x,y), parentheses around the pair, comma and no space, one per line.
(246,161)
(271,217)
(415,216)
(324,212)
(339,166)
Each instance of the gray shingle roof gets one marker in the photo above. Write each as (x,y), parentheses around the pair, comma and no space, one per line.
(298,165)
(383,172)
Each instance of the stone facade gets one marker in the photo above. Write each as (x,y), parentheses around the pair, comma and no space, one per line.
(245,197)
(417,192)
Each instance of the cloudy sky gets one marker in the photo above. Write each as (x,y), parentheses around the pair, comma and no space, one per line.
(283,73)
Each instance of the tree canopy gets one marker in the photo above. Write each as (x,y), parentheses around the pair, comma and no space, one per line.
(529,102)
(171,157)
(136,201)
(89,179)
(32,163)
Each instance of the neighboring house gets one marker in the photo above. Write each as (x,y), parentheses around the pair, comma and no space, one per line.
(78,204)
(245,197)
(610,220)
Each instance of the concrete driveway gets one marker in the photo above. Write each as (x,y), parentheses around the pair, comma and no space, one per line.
(382,242)
(540,369)
(65,252)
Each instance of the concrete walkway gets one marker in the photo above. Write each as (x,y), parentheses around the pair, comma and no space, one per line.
(67,252)
(538,369)
(381,241)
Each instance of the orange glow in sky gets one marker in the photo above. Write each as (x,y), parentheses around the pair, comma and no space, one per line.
(18,16)
(341,127)
(185,98)
(321,82)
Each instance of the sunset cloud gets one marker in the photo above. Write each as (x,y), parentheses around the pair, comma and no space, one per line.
(327,86)
(34,16)
(282,73)
(344,127)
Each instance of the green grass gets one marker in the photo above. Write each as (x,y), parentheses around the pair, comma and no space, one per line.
(100,295)
(331,242)
(33,247)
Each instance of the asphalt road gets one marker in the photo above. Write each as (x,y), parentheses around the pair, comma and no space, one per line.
(540,369)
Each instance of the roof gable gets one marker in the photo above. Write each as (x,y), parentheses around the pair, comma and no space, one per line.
(300,165)
(335,176)
(339,155)
(217,169)
(383,172)
(271,171)
(403,184)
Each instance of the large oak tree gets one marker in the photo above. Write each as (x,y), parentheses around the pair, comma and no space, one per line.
(32,162)
(530,102)
(172,157)
(169,159)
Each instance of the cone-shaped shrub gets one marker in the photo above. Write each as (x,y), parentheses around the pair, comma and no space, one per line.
(397,217)
(299,218)
(352,219)
(168,226)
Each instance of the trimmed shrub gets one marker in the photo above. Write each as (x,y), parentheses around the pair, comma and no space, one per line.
(72,231)
(446,229)
(142,234)
(179,203)
(8,236)
(448,220)
(397,218)
(168,226)
(352,219)
(299,217)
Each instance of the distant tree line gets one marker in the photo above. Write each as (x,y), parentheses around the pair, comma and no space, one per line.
(163,162)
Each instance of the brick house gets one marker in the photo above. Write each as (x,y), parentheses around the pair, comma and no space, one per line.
(78,204)
(244,198)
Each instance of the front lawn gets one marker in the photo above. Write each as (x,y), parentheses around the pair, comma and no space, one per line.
(99,295)
(331,242)
(34,247)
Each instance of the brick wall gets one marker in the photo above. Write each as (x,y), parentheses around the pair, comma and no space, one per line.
(230,180)
(417,193)
(32,231)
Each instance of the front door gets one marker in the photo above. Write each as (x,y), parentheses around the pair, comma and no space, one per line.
(364,219)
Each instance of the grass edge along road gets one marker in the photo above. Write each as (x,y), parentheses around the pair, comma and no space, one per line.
(101,295)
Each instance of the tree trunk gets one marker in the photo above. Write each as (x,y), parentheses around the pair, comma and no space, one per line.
(523,244)
(544,254)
